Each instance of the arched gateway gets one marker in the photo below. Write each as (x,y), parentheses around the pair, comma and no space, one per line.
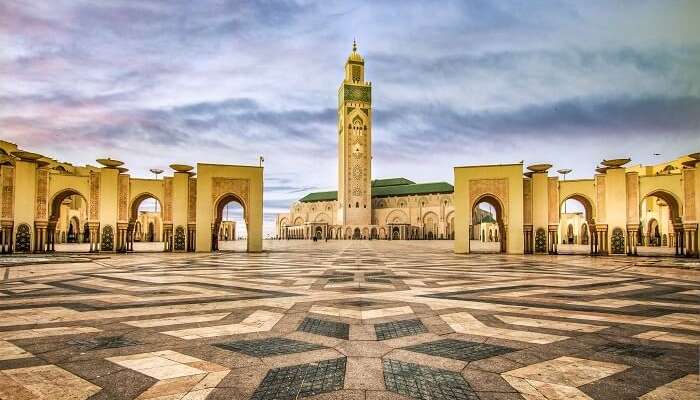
(36,190)
(621,208)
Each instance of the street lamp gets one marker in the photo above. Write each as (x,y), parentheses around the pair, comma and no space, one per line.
(563,172)
(156,172)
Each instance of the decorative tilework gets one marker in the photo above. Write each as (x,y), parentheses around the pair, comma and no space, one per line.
(395,329)
(459,349)
(301,381)
(268,347)
(425,383)
(322,327)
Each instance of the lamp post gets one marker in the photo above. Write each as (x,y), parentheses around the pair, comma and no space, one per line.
(563,172)
(156,172)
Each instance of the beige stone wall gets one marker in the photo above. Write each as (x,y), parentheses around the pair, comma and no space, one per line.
(429,216)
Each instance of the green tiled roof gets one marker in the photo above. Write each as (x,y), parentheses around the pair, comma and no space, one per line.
(386,190)
(391,182)
(320,196)
(413,189)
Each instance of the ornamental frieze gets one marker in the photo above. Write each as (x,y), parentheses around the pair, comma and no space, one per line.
(123,198)
(495,187)
(168,199)
(632,183)
(94,195)
(600,198)
(238,187)
(357,93)
(8,192)
(553,200)
(192,201)
(689,191)
(42,189)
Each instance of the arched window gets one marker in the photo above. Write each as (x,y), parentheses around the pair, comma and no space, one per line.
(357,204)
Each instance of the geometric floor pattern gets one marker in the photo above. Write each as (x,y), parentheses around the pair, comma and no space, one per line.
(349,320)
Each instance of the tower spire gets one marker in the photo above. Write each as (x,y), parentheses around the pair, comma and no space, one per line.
(354,45)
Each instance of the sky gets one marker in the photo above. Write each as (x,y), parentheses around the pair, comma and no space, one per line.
(454,83)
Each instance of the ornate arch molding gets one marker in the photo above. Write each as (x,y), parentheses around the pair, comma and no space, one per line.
(136,202)
(401,215)
(58,198)
(587,203)
(225,190)
(674,202)
(322,218)
(491,191)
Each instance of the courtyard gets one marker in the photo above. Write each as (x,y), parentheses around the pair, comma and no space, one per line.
(348,320)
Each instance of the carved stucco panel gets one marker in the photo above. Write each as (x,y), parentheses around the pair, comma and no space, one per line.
(527,201)
(42,194)
(94,195)
(123,200)
(600,198)
(168,200)
(632,183)
(192,201)
(239,187)
(553,201)
(8,192)
(690,214)
(495,187)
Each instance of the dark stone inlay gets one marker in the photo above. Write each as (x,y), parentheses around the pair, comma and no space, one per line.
(101,343)
(268,347)
(425,383)
(322,327)
(459,349)
(631,350)
(360,303)
(302,380)
(395,329)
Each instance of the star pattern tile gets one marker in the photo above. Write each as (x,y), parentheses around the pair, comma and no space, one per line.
(349,319)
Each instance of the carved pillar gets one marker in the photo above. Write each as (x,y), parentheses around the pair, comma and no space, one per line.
(678,230)
(121,245)
(632,232)
(527,235)
(690,242)
(7,236)
(553,238)
(168,237)
(191,236)
(94,228)
(40,237)
(51,236)
(601,234)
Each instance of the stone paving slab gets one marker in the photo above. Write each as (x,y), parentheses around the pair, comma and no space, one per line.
(349,320)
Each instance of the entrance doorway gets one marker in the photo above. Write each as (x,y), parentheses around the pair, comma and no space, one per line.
(487,232)
(575,223)
(146,231)
(231,216)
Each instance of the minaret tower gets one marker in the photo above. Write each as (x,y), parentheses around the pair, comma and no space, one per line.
(355,144)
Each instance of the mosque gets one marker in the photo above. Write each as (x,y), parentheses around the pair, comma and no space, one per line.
(649,206)
(362,208)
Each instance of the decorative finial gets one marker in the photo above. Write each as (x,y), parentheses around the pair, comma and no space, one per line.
(354,45)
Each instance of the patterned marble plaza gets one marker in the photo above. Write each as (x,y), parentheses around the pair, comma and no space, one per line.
(349,320)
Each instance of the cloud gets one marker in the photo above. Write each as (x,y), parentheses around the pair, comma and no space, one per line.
(454,83)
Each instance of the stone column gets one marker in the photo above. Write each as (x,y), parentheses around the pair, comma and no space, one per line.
(191,236)
(691,248)
(678,230)
(94,229)
(40,236)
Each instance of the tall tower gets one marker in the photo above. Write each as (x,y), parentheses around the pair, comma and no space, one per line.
(355,144)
